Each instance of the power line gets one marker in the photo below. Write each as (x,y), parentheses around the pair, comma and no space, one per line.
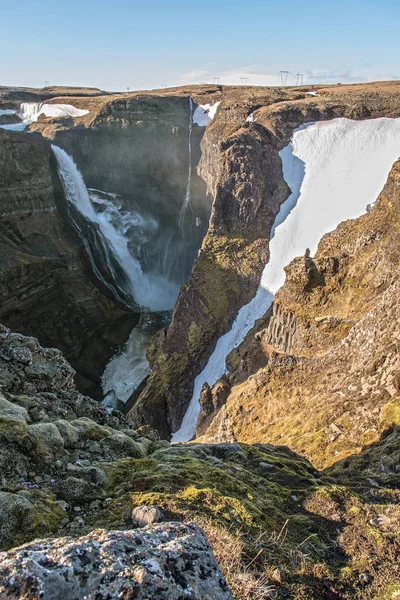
(216,80)
(243,80)
(284,76)
(299,78)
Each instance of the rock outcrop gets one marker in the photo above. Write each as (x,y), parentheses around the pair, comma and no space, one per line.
(163,562)
(46,285)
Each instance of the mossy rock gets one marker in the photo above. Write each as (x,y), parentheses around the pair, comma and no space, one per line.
(390,414)
(27,515)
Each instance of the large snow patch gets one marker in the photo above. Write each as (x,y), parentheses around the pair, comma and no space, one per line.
(334,170)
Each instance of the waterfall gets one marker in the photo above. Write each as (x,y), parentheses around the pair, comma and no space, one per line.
(112,245)
(186,202)
(30,111)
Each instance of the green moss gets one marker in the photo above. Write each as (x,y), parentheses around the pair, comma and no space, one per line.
(390,414)
(26,516)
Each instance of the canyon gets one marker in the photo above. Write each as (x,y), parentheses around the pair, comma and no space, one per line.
(219,267)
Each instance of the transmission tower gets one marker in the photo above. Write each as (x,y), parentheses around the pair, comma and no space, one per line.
(46,84)
(127,89)
(216,80)
(284,76)
(299,78)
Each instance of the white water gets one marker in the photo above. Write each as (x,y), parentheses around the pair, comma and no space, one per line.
(186,202)
(205,113)
(30,111)
(334,170)
(148,290)
(127,369)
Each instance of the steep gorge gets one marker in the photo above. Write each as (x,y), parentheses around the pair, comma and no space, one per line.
(249,189)
(318,373)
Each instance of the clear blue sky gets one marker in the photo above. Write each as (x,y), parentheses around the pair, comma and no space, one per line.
(146,44)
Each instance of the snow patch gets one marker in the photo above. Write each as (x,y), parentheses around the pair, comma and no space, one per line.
(205,113)
(250,118)
(30,111)
(334,170)
(312,93)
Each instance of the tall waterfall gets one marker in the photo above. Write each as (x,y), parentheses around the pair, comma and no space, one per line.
(186,202)
(112,244)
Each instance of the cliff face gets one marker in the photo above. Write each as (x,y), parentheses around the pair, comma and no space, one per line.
(46,287)
(320,373)
(249,191)
(242,169)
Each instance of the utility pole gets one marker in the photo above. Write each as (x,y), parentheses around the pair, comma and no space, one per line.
(243,80)
(216,80)
(284,76)
(299,78)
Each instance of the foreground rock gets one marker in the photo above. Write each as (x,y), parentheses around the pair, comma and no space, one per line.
(68,468)
(170,561)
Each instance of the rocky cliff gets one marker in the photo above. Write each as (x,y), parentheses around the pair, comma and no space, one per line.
(320,372)
(46,285)
(242,169)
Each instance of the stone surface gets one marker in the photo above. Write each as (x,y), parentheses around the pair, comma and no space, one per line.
(146,515)
(165,562)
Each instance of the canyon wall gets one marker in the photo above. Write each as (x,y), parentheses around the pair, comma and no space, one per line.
(320,373)
(242,169)
(47,287)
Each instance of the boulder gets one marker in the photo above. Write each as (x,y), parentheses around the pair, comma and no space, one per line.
(146,515)
(169,561)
